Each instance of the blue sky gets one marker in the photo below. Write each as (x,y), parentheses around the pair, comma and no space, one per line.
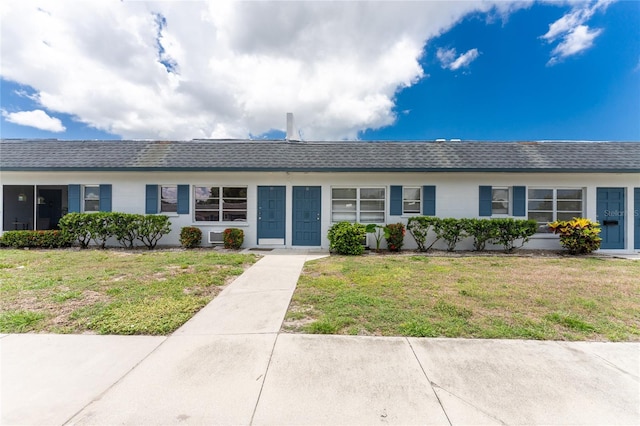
(486,75)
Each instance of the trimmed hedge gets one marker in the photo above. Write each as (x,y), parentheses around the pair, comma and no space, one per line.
(346,238)
(503,231)
(35,239)
(126,228)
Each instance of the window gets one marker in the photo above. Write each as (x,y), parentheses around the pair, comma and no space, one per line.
(499,201)
(216,204)
(91,198)
(548,205)
(364,205)
(411,200)
(168,199)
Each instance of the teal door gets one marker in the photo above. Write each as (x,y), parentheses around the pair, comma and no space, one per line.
(636,218)
(271,208)
(610,214)
(306,215)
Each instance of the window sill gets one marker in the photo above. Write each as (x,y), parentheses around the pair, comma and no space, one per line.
(544,236)
(222,224)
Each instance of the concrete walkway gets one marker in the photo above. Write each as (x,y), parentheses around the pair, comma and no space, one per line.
(229,365)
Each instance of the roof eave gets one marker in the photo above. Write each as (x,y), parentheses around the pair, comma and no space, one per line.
(321,169)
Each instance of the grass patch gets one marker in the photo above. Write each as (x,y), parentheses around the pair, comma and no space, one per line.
(21,321)
(483,297)
(110,292)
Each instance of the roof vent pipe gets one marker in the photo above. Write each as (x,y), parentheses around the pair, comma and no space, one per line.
(291,128)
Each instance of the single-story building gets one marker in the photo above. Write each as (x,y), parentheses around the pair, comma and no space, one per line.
(285,193)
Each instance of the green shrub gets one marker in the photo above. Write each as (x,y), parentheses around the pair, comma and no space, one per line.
(76,226)
(151,228)
(36,239)
(346,238)
(394,234)
(233,238)
(451,230)
(508,231)
(579,235)
(419,227)
(126,227)
(190,237)
(100,226)
(482,230)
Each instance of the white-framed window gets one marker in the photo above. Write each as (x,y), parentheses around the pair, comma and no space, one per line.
(499,201)
(363,205)
(91,198)
(220,203)
(411,200)
(546,205)
(168,198)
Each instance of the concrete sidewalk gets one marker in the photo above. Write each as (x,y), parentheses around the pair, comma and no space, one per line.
(230,365)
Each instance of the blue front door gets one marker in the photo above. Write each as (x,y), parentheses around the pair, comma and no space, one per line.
(271,208)
(306,215)
(610,214)
(636,217)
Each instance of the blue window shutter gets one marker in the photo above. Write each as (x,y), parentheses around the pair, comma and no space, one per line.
(485,201)
(151,204)
(395,195)
(105,198)
(183,199)
(73,198)
(429,200)
(519,201)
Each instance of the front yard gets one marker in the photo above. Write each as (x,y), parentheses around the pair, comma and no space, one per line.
(555,298)
(109,292)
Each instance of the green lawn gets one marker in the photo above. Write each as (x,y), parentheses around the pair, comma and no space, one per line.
(564,298)
(109,292)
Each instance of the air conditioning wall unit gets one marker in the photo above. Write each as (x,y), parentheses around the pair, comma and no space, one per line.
(216,237)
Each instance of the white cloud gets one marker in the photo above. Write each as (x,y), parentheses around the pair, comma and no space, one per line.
(36,118)
(573,35)
(578,39)
(198,69)
(448,59)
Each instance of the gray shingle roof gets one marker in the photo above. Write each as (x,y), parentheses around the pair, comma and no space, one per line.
(241,155)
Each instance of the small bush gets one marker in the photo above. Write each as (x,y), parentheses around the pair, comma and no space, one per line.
(508,231)
(451,230)
(100,227)
(419,227)
(151,228)
(190,237)
(394,234)
(36,239)
(579,235)
(126,227)
(76,226)
(233,238)
(346,238)
(482,231)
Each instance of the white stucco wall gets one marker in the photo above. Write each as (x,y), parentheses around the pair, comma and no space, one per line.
(456,193)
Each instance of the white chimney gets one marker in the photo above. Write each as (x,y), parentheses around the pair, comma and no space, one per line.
(291,128)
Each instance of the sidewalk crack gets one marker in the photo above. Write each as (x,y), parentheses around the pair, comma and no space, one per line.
(264,378)
(435,386)
(430,382)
